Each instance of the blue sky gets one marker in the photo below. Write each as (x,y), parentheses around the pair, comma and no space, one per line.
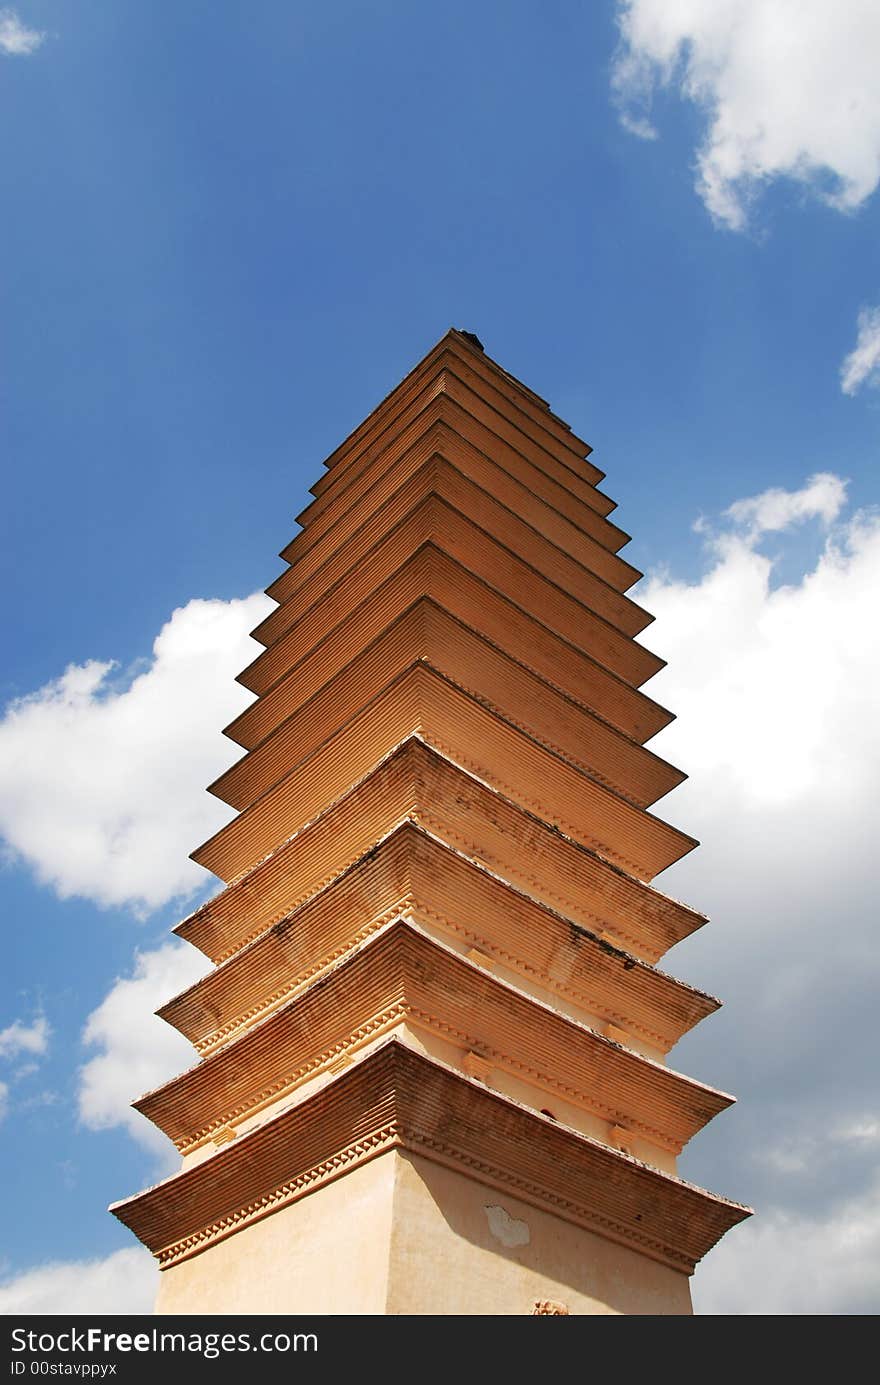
(228,231)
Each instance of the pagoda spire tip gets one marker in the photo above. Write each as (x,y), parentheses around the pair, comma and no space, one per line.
(471,337)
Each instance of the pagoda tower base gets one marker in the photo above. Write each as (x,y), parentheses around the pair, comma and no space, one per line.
(403,1235)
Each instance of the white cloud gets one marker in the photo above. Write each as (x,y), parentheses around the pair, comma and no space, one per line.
(122,1283)
(774,684)
(775,687)
(787,89)
(787,1264)
(137,1050)
(24,1038)
(862,365)
(823,497)
(16,39)
(102,786)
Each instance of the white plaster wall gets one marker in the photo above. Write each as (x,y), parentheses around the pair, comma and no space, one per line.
(326,1253)
(462,1248)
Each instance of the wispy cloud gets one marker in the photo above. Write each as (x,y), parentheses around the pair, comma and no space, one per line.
(16,39)
(786,90)
(638,125)
(22,1039)
(862,365)
(19,1037)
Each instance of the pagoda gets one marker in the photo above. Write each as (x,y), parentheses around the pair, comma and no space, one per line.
(431,1055)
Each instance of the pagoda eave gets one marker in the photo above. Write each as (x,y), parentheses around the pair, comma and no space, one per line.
(444,422)
(346,583)
(341,679)
(311,649)
(393,978)
(422,701)
(416,781)
(491,509)
(473,909)
(397,1098)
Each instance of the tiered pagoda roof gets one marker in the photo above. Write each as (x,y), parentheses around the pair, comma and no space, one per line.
(438,931)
